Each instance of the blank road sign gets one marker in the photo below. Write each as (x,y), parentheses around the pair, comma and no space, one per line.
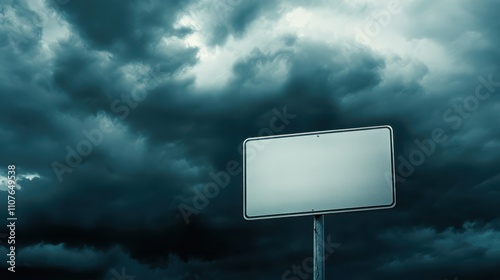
(318,173)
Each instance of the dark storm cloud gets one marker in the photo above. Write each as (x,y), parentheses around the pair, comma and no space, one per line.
(131,29)
(310,85)
(80,89)
(85,76)
(469,31)
(233,17)
(23,37)
(118,208)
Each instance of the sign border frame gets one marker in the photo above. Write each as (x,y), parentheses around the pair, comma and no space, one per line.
(312,213)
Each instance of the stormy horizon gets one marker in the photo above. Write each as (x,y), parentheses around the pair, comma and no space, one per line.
(123,126)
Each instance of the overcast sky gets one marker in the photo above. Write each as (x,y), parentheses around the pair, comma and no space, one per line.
(125,121)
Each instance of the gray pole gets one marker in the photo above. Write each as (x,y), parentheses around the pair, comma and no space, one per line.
(319,247)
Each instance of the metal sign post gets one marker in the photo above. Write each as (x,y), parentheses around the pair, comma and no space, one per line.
(318,173)
(319,247)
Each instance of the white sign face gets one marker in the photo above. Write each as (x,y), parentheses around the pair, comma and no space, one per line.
(318,173)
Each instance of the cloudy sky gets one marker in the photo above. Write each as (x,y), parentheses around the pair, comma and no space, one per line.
(125,121)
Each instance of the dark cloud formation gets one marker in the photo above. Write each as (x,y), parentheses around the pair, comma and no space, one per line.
(130,29)
(106,115)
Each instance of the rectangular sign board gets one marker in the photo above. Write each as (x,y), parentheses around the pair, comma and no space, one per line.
(317,173)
